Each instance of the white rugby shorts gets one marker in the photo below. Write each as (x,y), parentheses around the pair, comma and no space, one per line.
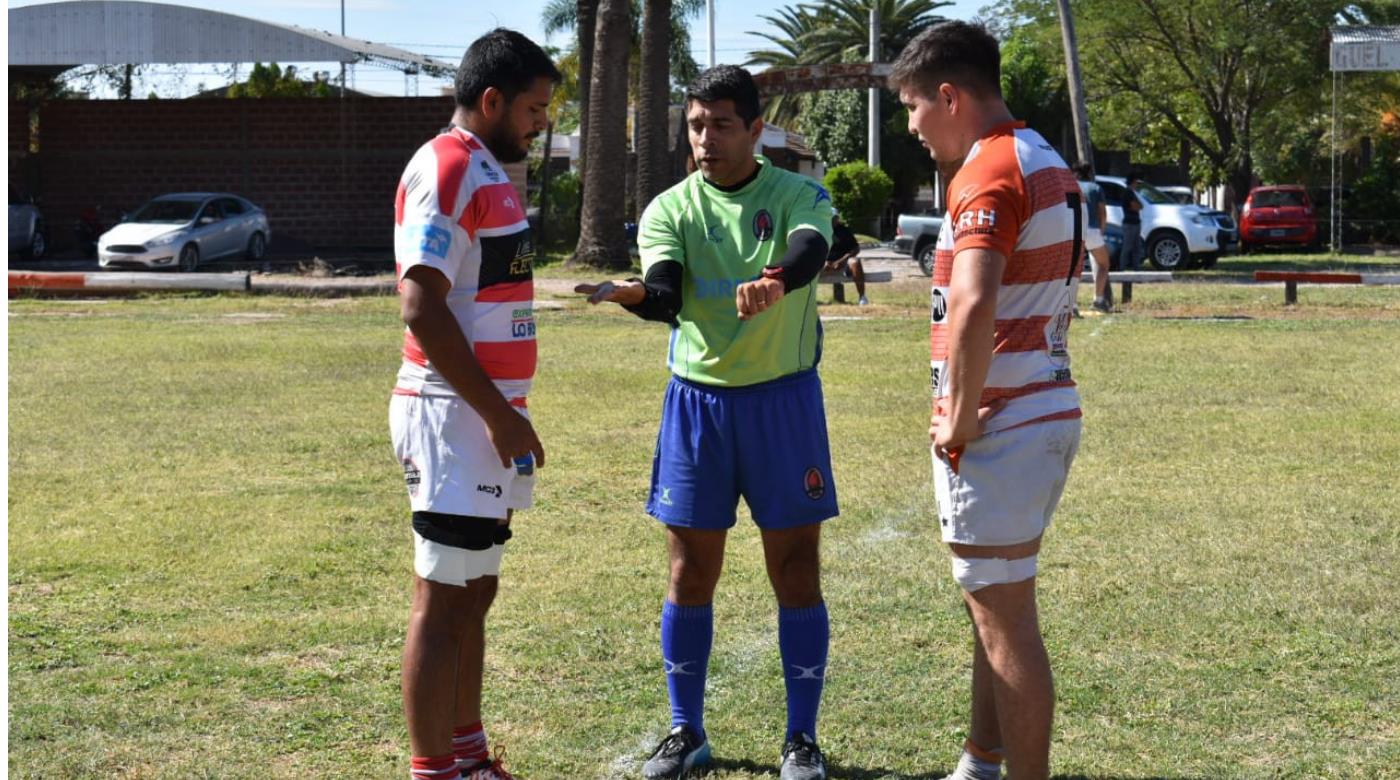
(451,469)
(1093,238)
(1007,485)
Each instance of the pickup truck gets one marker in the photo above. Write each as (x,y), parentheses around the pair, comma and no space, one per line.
(1178,236)
(916,235)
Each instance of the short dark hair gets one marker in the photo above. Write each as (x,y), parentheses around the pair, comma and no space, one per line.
(1133,176)
(1084,171)
(503,59)
(957,52)
(727,82)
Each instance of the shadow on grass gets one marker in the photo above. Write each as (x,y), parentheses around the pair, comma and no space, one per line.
(843,772)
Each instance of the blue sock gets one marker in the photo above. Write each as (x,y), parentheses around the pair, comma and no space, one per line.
(803,636)
(686,634)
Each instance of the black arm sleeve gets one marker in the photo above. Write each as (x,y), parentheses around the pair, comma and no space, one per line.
(806,255)
(663,286)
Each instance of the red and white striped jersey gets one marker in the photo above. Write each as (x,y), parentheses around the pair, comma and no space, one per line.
(457,211)
(1015,196)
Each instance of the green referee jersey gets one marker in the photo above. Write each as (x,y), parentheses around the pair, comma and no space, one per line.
(723,239)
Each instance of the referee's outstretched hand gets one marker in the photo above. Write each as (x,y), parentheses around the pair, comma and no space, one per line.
(617,291)
(754,298)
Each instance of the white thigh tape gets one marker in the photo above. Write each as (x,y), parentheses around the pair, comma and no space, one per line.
(973,574)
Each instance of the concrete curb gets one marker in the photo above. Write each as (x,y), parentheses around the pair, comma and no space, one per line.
(58,283)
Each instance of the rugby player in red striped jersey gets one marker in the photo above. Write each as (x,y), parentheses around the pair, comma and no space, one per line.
(458,414)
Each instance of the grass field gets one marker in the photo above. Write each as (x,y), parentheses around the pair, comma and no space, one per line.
(209,558)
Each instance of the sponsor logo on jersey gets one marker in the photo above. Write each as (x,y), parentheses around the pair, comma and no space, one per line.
(965,193)
(490,172)
(713,235)
(524,261)
(522,323)
(814,484)
(718,288)
(822,194)
(431,239)
(939,305)
(1061,375)
(1058,337)
(411,476)
(976,222)
(763,225)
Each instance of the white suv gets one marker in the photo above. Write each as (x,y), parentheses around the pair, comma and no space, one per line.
(1178,236)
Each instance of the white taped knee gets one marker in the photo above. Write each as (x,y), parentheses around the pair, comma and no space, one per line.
(973,574)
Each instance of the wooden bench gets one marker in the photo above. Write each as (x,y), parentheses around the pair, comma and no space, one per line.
(1129,278)
(1291,279)
(837,280)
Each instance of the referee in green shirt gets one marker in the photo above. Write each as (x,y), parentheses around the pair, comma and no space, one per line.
(729,256)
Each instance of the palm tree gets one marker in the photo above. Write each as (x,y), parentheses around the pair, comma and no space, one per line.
(838,31)
(795,26)
(602,241)
(653,98)
(578,15)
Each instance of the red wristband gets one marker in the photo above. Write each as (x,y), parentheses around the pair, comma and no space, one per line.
(773,272)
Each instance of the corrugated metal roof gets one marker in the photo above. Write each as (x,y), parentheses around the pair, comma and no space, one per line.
(1366,33)
(114,32)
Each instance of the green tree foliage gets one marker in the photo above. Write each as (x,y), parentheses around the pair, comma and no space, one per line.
(1034,84)
(834,124)
(272,80)
(859,192)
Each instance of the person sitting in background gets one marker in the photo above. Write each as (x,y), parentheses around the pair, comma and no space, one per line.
(845,256)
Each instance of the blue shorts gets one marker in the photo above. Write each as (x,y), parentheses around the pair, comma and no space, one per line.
(765,442)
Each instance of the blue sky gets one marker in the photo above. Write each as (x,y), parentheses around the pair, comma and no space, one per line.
(443,29)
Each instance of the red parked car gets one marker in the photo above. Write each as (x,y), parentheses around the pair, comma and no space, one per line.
(1278,214)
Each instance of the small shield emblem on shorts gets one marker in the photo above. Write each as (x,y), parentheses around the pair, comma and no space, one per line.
(814,484)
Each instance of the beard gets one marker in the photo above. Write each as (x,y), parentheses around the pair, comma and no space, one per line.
(504,141)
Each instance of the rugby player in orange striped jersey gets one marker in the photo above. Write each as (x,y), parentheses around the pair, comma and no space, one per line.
(1005,420)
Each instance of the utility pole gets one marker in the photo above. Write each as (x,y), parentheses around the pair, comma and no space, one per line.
(710,14)
(872,155)
(1076,87)
(342,64)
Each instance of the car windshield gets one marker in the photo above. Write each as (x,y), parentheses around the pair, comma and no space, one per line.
(1152,194)
(1272,199)
(173,212)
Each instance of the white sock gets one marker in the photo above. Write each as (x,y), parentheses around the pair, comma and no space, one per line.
(971,767)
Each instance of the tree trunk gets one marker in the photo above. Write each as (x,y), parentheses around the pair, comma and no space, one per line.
(542,237)
(602,240)
(653,96)
(586,26)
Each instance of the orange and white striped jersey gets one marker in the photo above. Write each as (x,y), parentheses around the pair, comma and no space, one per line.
(457,211)
(1015,196)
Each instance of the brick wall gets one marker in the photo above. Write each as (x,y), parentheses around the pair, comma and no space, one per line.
(324,170)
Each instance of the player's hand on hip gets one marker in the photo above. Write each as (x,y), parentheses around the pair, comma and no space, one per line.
(617,291)
(949,437)
(513,437)
(754,298)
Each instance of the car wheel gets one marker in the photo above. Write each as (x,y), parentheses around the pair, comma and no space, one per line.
(189,258)
(39,244)
(1167,252)
(925,257)
(257,247)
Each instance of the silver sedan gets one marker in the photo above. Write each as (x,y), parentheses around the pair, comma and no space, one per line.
(182,230)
